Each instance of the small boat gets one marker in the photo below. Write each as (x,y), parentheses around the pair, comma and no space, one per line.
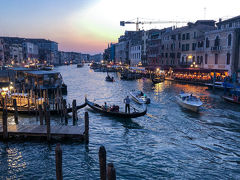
(101,109)
(157,80)
(109,79)
(232,99)
(140,97)
(79,65)
(189,101)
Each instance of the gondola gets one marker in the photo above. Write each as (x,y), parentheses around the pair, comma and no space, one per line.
(24,110)
(99,109)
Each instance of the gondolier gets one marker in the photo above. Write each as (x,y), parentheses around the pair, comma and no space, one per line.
(127,104)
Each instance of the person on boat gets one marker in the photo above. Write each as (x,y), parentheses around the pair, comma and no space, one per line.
(105,106)
(127,104)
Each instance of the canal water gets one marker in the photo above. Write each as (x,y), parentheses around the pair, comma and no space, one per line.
(168,143)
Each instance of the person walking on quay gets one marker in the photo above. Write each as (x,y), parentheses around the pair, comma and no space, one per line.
(127,104)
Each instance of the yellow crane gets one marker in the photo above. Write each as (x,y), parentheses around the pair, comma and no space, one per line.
(137,22)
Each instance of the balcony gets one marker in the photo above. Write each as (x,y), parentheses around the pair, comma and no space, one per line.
(216,48)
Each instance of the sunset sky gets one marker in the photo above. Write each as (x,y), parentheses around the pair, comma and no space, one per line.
(89,25)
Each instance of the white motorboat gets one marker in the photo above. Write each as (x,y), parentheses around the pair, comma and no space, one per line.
(140,97)
(189,101)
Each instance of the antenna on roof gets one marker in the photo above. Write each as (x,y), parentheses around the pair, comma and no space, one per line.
(205,11)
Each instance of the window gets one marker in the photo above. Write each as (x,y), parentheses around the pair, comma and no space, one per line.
(207,43)
(178,55)
(183,47)
(198,60)
(183,37)
(194,35)
(166,55)
(187,36)
(228,58)
(193,46)
(206,58)
(179,36)
(217,41)
(187,47)
(182,60)
(179,45)
(229,40)
(216,58)
(201,60)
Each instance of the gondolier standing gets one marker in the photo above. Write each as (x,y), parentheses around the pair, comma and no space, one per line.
(127,104)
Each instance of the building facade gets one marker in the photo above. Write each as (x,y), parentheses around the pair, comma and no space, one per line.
(16,54)
(30,52)
(135,53)
(1,52)
(222,47)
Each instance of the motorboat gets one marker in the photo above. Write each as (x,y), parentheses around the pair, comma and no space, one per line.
(233,97)
(140,97)
(189,101)
(158,79)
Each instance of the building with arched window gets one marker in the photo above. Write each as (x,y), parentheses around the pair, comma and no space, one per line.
(223,49)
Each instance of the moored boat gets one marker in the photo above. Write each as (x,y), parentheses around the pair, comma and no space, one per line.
(79,65)
(189,101)
(33,111)
(140,97)
(109,79)
(232,99)
(115,113)
(158,80)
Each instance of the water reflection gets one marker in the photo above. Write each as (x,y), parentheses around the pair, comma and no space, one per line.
(168,143)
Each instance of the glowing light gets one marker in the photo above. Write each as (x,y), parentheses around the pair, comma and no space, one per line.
(190,57)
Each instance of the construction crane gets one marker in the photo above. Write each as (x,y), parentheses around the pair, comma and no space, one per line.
(137,22)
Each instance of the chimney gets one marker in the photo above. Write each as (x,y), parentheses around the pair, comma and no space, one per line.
(220,19)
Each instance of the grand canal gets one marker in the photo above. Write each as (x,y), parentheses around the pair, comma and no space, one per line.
(168,143)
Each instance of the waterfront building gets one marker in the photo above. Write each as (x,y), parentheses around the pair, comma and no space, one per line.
(1,52)
(109,53)
(16,54)
(122,48)
(145,35)
(96,57)
(181,47)
(48,51)
(135,52)
(30,52)
(222,47)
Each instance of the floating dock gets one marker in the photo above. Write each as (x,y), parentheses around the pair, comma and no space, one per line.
(41,131)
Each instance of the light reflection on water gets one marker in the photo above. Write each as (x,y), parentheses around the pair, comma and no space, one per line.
(169,142)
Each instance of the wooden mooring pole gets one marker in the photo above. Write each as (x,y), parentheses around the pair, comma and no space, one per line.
(86,132)
(65,110)
(5,124)
(58,157)
(15,111)
(40,114)
(111,173)
(74,111)
(48,123)
(102,162)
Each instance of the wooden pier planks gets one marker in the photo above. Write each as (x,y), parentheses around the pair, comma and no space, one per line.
(41,130)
